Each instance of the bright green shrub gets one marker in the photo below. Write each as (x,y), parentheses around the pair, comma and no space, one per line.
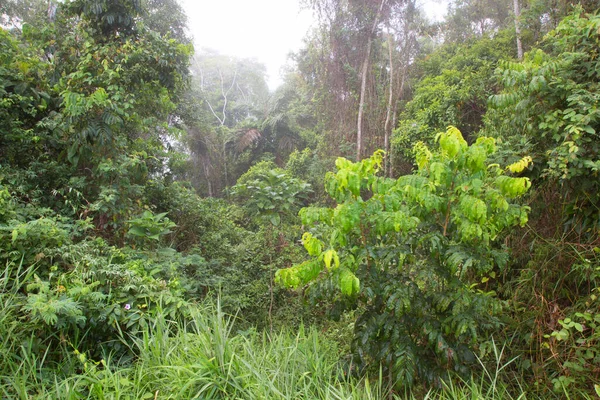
(415,254)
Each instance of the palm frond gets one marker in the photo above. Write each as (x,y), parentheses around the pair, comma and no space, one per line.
(246,138)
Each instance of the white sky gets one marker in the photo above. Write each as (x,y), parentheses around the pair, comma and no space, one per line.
(267,30)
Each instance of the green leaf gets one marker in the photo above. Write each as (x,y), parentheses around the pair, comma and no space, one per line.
(275,219)
(312,245)
(137,231)
(452,142)
(349,283)
(330,255)
(520,165)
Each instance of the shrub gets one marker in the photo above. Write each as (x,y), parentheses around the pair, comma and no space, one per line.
(415,254)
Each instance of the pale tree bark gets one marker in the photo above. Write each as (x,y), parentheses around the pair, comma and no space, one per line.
(388,116)
(51,10)
(363,85)
(390,171)
(517,11)
(225,93)
(221,121)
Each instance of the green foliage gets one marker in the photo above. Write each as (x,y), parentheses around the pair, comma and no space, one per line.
(579,340)
(82,284)
(98,131)
(108,16)
(299,163)
(272,194)
(149,226)
(456,83)
(415,254)
(551,99)
(554,305)
(205,358)
(24,99)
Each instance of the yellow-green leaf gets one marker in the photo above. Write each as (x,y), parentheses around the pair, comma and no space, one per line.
(520,165)
(349,283)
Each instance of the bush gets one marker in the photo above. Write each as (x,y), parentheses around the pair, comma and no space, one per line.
(415,254)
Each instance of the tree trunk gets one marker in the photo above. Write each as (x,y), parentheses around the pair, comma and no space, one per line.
(386,129)
(517,11)
(390,172)
(361,103)
(363,85)
(408,43)
(206,167)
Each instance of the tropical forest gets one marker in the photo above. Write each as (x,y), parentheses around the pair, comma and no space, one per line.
(412,213)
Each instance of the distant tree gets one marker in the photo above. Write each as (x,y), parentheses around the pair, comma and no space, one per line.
(13,13)
(225,107)
(348,64)
(166,17)
(233,89)
(475,18)
(107,17)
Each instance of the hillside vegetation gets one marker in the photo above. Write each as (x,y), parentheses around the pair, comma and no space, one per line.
(414,213)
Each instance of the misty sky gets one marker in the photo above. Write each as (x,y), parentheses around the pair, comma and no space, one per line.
(267,30)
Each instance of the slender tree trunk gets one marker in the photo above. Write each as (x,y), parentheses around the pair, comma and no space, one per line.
(225,168)
(408,42)
(387,130)
(517,11)
(205,165)
(390,172)
(51,10)
(225,93)
(361,103)
(363,84)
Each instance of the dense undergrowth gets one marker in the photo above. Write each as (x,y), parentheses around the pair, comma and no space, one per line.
(201,356)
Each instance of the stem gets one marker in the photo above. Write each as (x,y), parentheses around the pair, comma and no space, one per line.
(272,300)
(270,287)
(448,209)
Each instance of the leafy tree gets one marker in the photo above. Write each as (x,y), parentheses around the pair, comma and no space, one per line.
(346,69)
(14,13)
(475,18)
(271,193)
(222,115)
(232,89)
(107,17)
(415,254)
(551,100)
(166,17)
(454,84)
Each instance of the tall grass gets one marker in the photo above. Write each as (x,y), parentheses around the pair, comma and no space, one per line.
(199,359)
